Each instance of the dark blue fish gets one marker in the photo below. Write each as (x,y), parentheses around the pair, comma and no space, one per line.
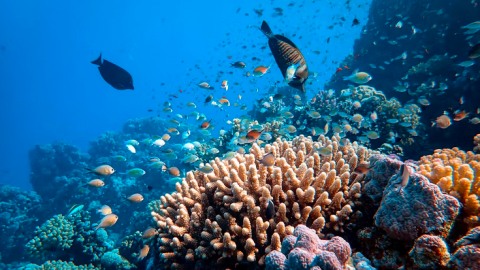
(114,75)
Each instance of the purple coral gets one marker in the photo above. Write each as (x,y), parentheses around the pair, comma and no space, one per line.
(420,207)
(304,250)
(383,169)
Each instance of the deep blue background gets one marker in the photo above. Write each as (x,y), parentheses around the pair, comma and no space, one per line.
(50,91)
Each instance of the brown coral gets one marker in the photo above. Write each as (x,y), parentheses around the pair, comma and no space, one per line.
(457,173)
(221,216)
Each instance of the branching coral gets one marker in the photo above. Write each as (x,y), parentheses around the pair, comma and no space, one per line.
(55,234)
(457,173)
(476,141)
(221,216)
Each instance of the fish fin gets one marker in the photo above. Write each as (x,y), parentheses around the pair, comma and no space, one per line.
(98,61)
(266,30)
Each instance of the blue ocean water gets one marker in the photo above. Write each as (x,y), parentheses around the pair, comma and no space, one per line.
(51,91)
(217,159)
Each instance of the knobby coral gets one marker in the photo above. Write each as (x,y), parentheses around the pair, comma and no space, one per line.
(55,234)
(457,173)
(222,216)
(304,250)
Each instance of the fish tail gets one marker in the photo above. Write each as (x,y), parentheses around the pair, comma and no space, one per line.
(266,30)
(98,61)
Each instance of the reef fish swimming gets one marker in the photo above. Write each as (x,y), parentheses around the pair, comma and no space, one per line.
(287,54)
(114,75)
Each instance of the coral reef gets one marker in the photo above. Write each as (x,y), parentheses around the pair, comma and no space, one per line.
(417,207)
(54,235)
(305,250)
(467,256)
(198,223)
(430,252)
(456,173)
(19,212)
(73,238)
(58,265)
(382,169)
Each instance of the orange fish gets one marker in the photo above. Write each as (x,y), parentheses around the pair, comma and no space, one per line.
(225,85)
(356,56)
(253,135)
(149,233)
(96,183)
(174,171)
(105,210)
(205,125)
(442,121)
(338,70)
(173,130)
(346,67)
(143,252)
(224,100)
(313,100)
(166,137)
(135,198)
(260,71)
(459,116)
(239,97)
(107,221)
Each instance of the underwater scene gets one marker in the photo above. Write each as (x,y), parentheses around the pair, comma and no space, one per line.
(312,134)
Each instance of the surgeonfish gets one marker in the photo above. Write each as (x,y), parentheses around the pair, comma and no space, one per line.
(286,53)
(114,75)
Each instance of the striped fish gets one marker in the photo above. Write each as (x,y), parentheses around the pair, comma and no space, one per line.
(287,54)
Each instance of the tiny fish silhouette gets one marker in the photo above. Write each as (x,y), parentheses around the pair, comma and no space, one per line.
(114,75)
(270,210)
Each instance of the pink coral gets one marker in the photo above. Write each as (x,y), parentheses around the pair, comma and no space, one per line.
(309,252)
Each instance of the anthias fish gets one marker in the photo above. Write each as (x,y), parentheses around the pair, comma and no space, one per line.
(286,54)
(114,75)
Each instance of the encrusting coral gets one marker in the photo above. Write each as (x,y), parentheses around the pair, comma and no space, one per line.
(457,173)
(221,217)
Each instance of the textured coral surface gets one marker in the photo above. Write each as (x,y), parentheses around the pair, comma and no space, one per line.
(457,173)
(417,208)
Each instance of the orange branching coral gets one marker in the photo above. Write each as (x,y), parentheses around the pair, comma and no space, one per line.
(457,173)
(476,141)
(221,217)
